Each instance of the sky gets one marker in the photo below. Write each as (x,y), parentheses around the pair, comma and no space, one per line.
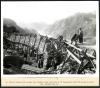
(44,11)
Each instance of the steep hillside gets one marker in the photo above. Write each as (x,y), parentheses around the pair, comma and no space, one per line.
(67,27)
(10,26)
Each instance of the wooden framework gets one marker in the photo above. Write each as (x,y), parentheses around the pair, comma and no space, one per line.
(72,51)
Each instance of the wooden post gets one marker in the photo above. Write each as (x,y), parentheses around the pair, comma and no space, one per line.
(25,39)
(41,37)
(15,41)
(19,42)
(24,43)
(15,37)
(29,39)
(29,43)
(38,46)
(44,44)
(35,36)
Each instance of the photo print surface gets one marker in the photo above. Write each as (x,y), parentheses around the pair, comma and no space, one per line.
(49,38)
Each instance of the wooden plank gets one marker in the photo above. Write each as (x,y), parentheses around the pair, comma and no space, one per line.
(80,50)
(74,56)
(89,55)
(74,47)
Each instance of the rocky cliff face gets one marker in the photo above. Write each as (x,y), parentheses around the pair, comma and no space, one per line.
(67,27)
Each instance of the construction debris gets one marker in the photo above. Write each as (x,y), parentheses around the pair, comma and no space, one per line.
(46,56)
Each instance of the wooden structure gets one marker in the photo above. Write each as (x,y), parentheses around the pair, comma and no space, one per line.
(73,53)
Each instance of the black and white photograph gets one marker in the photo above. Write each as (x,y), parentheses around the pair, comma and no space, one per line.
(46,37)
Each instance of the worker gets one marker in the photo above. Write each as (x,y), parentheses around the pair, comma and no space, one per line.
(75,38)
(80,36)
